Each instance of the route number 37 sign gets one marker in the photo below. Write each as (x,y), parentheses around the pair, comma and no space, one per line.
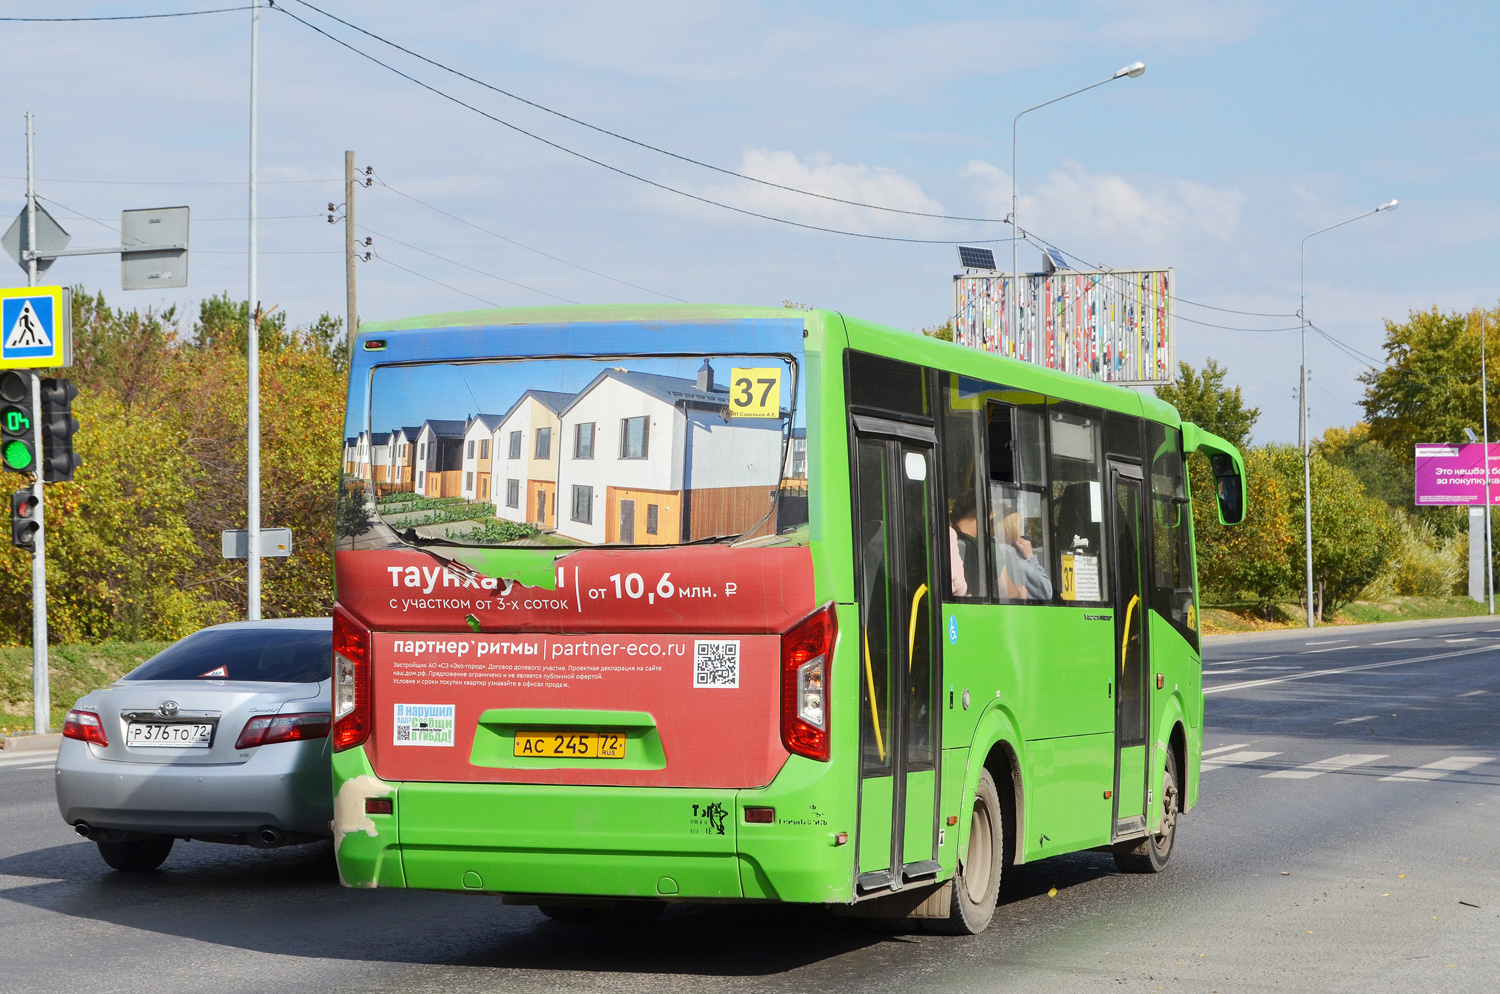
(755,392)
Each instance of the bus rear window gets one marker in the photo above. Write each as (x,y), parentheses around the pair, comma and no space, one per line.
(590,451)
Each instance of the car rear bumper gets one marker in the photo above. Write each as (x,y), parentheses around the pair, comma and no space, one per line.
(283,786)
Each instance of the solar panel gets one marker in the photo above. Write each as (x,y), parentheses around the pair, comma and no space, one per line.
(1052,260)
(976,258)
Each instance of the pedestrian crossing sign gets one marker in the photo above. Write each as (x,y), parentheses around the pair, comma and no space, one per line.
(36,327)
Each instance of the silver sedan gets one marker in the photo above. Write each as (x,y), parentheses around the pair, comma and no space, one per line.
(221,737)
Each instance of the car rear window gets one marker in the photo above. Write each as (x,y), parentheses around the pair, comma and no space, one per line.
(267,656)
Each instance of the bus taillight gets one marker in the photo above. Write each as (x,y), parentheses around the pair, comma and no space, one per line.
(351,681)
(806,668)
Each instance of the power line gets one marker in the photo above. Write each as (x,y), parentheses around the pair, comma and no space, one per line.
(616,169)
(528,248)
(124,17)
(429,279)
(462,265)
(636,142)
(133,182)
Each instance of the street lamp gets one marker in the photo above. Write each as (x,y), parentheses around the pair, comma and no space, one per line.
(1133,70)
(1389,205)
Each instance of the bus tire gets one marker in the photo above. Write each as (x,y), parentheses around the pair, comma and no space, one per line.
(136,855)
(1150,855)
(976,885)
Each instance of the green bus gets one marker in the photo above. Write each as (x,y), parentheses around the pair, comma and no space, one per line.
(646,604)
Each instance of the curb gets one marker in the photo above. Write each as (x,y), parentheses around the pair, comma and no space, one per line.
(30,743)
(1274,634)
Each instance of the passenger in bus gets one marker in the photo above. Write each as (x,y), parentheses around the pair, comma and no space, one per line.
(1022,575)
(963,544)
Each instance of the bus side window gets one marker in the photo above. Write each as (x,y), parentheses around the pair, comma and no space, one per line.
(1077,488)
(1172,594)
(967,526)
(1019,502)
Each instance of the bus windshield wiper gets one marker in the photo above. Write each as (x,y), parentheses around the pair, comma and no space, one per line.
(711,539)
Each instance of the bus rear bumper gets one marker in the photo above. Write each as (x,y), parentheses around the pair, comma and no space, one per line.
(607,842)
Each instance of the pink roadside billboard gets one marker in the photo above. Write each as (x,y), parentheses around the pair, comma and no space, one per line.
(1454,474)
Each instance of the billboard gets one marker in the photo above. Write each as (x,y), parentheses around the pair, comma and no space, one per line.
(1454,474)
(1114,326)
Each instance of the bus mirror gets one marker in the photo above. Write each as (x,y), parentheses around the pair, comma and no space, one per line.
(1231,489)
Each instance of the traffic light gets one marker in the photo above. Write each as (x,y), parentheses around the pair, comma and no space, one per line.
(23,522)
(58,425)
(17,433)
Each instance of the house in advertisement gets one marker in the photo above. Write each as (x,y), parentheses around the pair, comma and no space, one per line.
(401,455)
(351,455)
(379,459)
(439,460)
(362,455)
(523,464)
(479,439)
(652,459)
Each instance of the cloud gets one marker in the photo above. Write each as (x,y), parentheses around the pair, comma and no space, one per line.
(821,174)
(1094,213)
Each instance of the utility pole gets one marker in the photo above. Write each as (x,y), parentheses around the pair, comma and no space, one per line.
(351,321)
(1484,398)
(253,418)
(41,691)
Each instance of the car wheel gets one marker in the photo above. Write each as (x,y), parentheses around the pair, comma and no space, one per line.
(976,886)
(137,855)
(1150,855)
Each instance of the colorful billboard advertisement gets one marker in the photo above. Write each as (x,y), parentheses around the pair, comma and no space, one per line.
(1116,326)
(1454,474)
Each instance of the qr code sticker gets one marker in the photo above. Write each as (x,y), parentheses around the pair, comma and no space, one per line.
(716,665)
(403,733)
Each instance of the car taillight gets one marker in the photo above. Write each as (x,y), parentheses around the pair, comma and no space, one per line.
(806,668)
(84,726)
(265,729)
(351,681)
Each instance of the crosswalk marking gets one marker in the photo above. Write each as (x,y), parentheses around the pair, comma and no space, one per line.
(1332,765)
(1235,759)
(28,757)
(1443,767)
(1237,745)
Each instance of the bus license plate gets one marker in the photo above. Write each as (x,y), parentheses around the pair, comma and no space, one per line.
(571,745)
(178,735)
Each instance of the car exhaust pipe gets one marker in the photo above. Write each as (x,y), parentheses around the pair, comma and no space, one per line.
(269,837)
(82,828)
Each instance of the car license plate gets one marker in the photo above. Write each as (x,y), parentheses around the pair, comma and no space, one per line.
(176,735)
(571,745)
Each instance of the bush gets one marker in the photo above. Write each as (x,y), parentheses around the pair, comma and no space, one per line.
(1422,562)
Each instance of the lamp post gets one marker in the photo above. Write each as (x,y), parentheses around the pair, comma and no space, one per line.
(1389,205)
(1133,70)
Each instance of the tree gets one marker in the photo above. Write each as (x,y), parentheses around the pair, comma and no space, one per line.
(1251,557)
(1203,399)
(942,332)
(1379,471)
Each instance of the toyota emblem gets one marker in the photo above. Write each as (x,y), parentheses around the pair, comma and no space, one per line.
(168,709)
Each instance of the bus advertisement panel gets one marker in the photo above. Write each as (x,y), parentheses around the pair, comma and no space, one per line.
(681,603)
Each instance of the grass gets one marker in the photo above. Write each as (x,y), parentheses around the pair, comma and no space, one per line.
(72,671)
(1223,619)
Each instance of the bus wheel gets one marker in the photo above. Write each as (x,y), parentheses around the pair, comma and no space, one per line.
(615,913)
(1150,855)
(976,886)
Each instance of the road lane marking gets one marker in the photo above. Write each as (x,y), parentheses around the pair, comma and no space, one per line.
(1332,765)
(1336,648)
(1245,685)
(1454,641)
(1237,745)
(35,757)
(1326,642)
(44,766)
(1393,642)
(1473,693)
(1235,759)
(1443,767)
(1352,721)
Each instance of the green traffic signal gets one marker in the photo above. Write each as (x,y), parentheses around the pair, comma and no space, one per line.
(17,455)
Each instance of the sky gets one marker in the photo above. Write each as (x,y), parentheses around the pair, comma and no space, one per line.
(1254,124)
